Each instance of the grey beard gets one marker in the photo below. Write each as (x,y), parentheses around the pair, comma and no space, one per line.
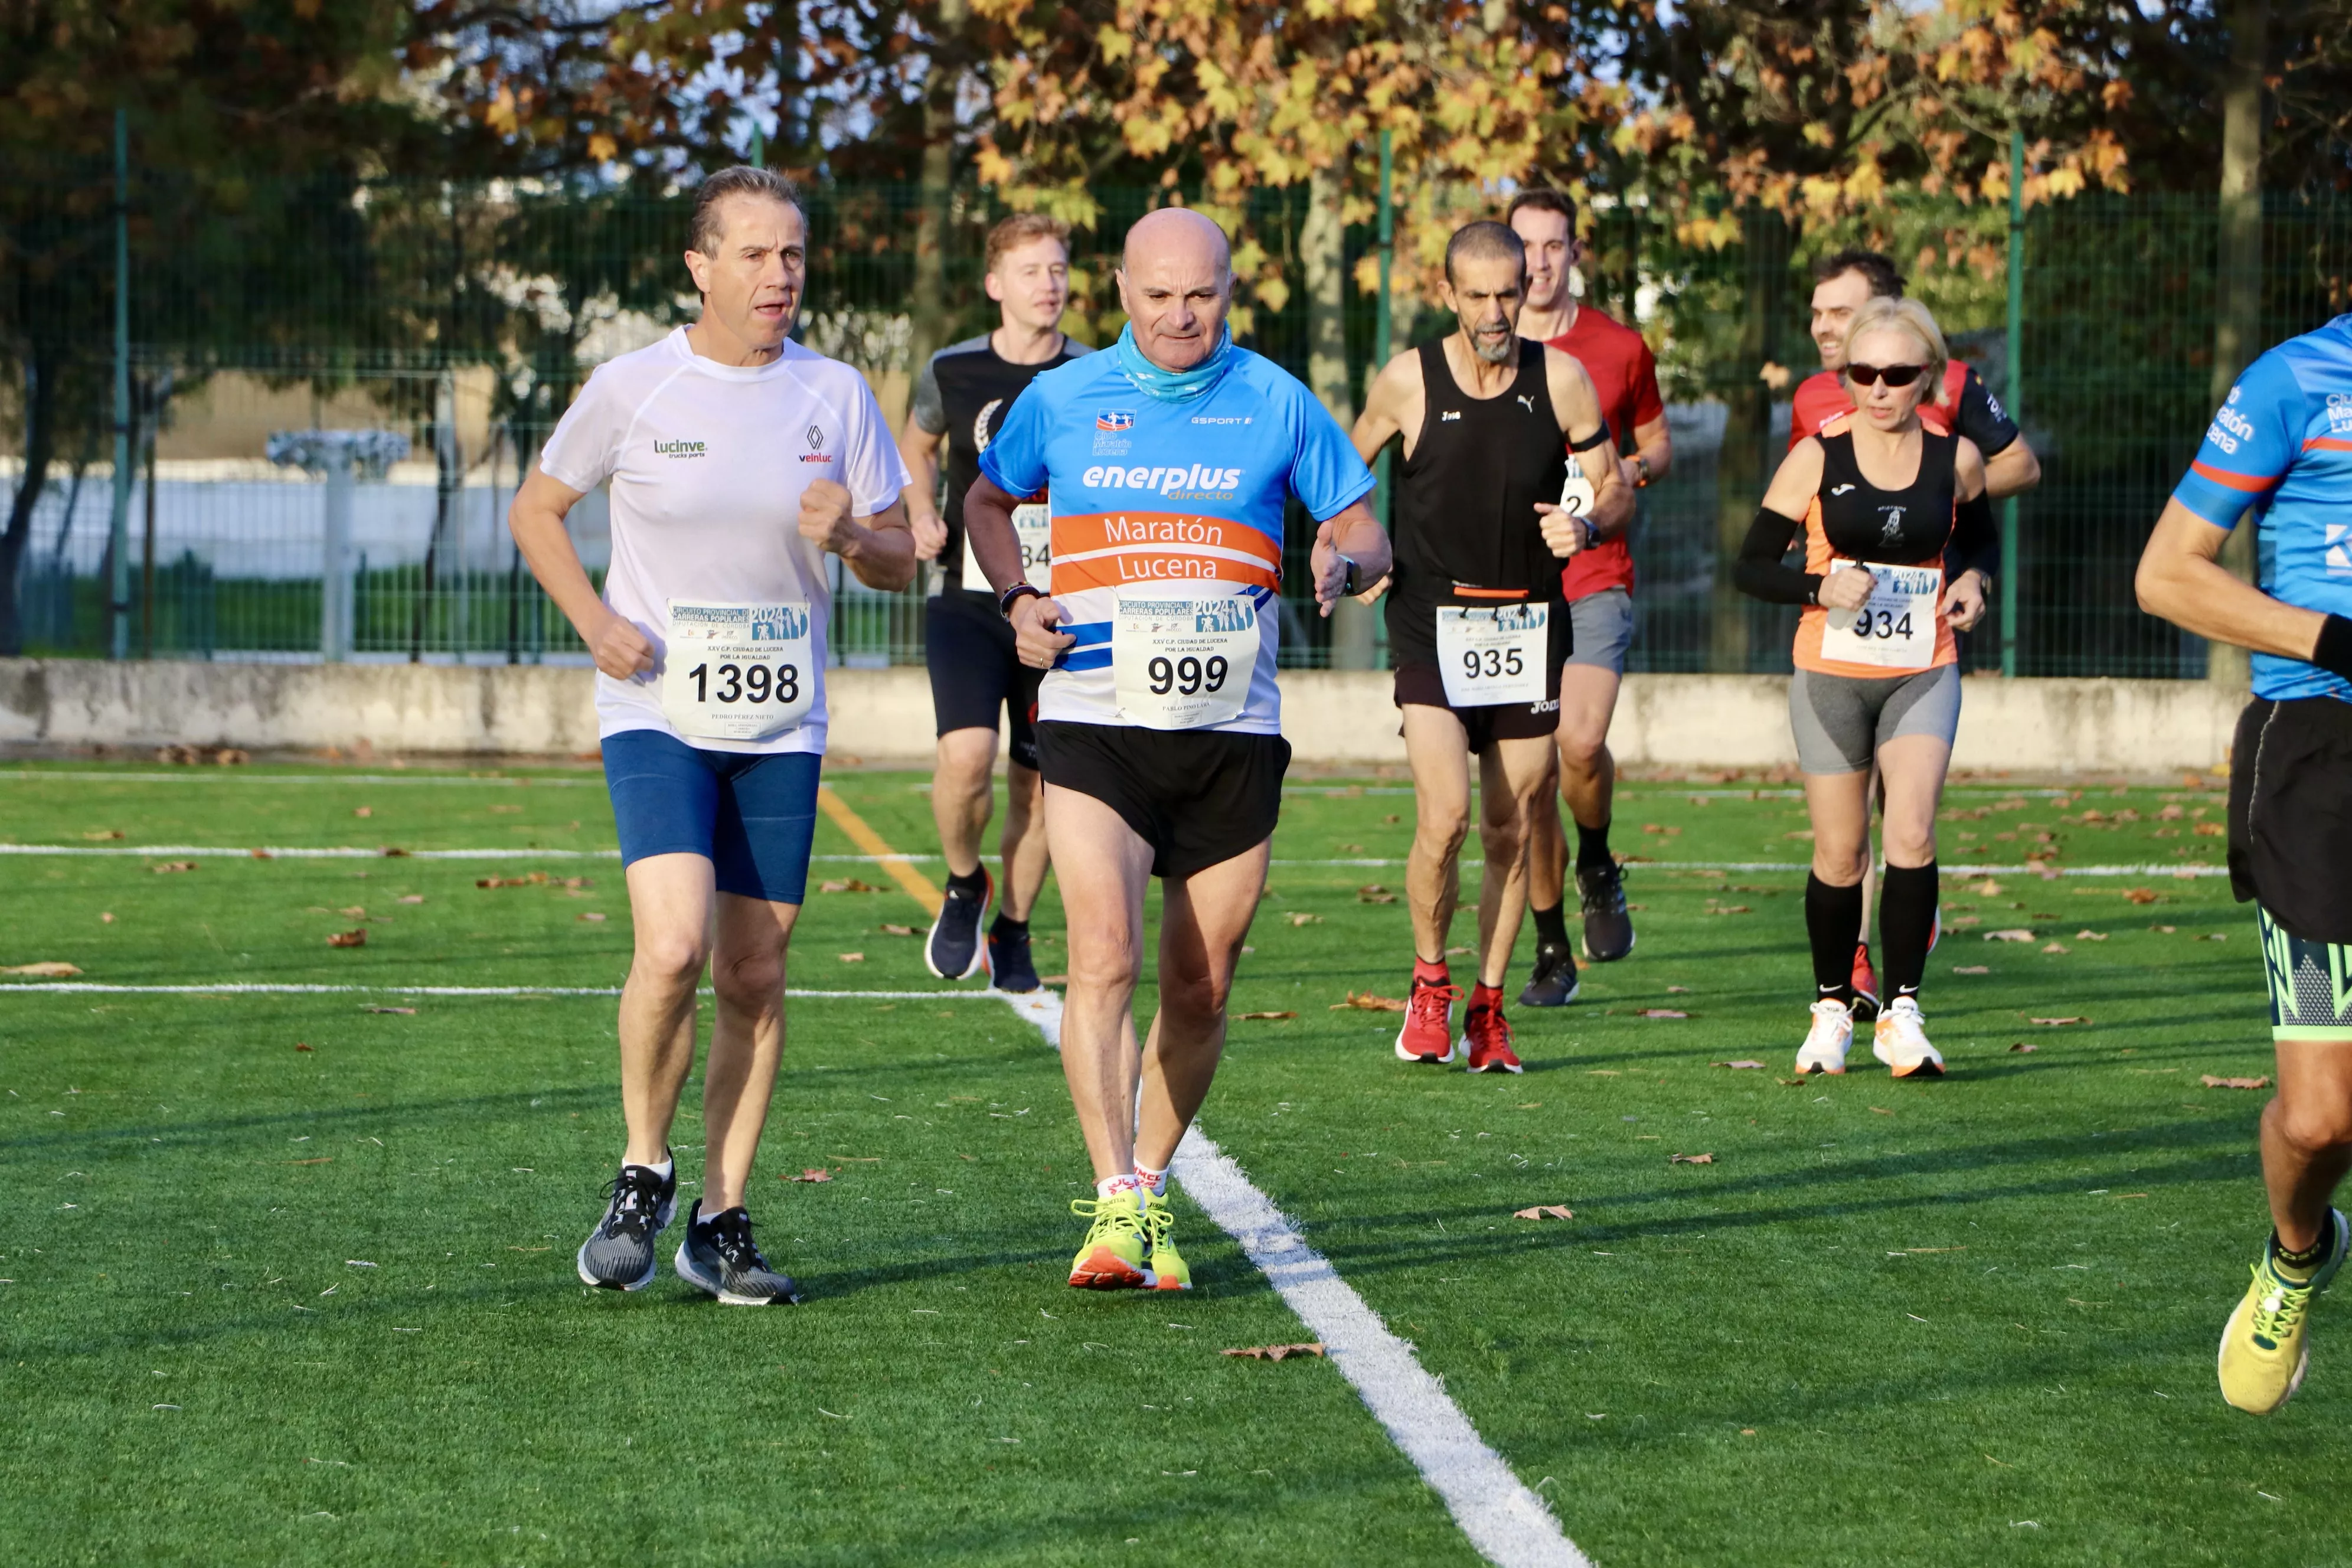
(1495,355)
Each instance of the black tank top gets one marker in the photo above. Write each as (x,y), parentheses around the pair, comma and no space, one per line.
(1465,507)
(1908,527)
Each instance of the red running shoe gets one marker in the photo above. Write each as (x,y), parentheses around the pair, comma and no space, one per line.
(1865,984)
(1428,1032)
(1487,1035)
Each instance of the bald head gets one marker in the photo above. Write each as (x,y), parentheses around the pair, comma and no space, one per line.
(1175,280)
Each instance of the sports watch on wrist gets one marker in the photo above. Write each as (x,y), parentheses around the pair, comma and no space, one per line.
(1642,463)
(1353,581)
(1005,600)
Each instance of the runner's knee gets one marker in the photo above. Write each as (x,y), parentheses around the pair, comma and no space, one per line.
(965,756)
(750,982)
(670,957)
(1440,829)
(1199,995)
(2314,1124)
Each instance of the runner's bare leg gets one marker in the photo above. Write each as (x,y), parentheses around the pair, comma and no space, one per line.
(1203,919)
(1105,870)
(1515,780)
(1438,748)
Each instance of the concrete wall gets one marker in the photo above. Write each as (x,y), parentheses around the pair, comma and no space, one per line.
(1331,716)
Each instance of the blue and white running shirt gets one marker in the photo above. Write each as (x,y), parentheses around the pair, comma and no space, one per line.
(1151,494)
(2283,444)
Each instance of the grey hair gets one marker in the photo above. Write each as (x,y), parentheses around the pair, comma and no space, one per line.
(1486,240)
(703,229)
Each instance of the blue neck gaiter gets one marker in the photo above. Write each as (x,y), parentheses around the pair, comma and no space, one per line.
(1172,386)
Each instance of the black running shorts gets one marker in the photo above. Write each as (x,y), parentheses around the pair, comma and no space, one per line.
(2291,815)
(1199,797)
(1423,686)
(975,671)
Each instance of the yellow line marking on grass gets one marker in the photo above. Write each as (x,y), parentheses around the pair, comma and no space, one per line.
(901,869)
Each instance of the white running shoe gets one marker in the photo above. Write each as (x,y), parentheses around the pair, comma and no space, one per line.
(1902,1041)
(1826,1045)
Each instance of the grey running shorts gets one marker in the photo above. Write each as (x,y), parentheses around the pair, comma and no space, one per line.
(1603,627)
(1841,721)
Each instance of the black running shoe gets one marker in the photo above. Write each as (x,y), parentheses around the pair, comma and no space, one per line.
(1608,929)
(1009,964)
(953,950)
(718,1256)
(619,1253)
(1556,982)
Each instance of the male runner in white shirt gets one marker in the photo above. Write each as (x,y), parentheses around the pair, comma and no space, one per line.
(737,459)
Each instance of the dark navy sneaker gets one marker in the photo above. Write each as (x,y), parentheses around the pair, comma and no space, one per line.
(1556,982)
(1608,929)
(1009,964)
(953,950)
(619,1253)
(718,1256)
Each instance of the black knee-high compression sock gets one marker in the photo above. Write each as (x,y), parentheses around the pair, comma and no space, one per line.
(1591,847)
(1907,916)
(1551,926)
(1834,924)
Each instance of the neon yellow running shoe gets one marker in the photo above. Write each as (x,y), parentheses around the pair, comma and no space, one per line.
(1113,1256)
(2265,1349)
(1168,1270)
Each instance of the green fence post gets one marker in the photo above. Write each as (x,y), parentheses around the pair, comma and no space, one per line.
(118,587)
(2016,378)
(1381,318)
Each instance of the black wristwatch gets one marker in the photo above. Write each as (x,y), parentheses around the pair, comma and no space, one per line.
(1018,591)
(1352,582)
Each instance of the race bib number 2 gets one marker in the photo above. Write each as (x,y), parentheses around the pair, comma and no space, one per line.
(737,672)
(1183,663)
(1896,628)
(1491,656)
(1035,530)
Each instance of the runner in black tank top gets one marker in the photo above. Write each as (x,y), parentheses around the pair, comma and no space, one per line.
(1908,527)
(1477,624)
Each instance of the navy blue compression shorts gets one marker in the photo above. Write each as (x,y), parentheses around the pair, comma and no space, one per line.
(753,816)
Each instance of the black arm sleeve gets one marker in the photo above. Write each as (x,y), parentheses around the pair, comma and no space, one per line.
(1760,573)
(1982,419)
(1976,543)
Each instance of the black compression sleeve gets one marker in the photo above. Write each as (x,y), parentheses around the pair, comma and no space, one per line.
(1759,572)
(1980,420)
(2333,653)
(1598,436)
(1976,543)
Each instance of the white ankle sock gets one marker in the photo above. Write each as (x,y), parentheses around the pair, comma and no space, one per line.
(1150,1181)
(664,1170)
(1111,1186)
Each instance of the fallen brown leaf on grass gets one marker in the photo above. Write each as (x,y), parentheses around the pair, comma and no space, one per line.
(1301,918)
(363,811)
(1987,888)
(1735,1066)
(1691,1160)
(1660,1013)
(2210,830)
(2056,947)
(106,919)
(315,1160)
(2056,1022)
(1970,969)
(2087,935)
(1678,990)
(354,912)
(52,970)
(898,931)
(404,1012)
(2022,1045)
(1544,1211)
(536,880)
(173,866)
(104,833)
(2164,931)
(261,855)
(1274,1353)
(409,899)
(347,938)
(1373,893)
(1269,1016)
(2016,934)
(302,1045)
(1881,1110)
(853,958)
(811,1175)
(1727,909)
(2141,895)
(852,886)
(592,917)
(393,852)
(1364,1000)
(2212,1082)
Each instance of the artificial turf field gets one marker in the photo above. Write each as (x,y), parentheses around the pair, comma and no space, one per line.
(265,1303)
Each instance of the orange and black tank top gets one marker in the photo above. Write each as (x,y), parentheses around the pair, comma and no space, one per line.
(1466,530)
(1853,519)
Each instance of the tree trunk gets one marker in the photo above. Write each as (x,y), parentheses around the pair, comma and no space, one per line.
(1323,253)
(2237,315)
(1743,464)
(936,190)
(40,442)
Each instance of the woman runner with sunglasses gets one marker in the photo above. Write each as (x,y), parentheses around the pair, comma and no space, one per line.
(1889,509)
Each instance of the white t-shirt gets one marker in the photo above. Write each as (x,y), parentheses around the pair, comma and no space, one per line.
(708,463)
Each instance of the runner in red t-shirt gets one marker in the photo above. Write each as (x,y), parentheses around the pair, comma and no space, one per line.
(1598,585)
(1843,284)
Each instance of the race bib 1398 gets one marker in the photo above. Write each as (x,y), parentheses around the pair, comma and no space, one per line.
(737,672)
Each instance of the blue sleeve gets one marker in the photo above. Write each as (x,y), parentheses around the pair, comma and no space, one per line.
(2252,441)
(1015,459)
(1326,474)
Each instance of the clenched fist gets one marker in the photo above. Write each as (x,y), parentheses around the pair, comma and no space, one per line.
(825,522)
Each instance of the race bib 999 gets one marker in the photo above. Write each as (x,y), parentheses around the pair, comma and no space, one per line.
(1183,662)
(737,672)
(1035,529)
(1896,630)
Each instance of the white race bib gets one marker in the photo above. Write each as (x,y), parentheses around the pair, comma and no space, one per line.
(1576,496)
(1035,528)
(1180,660)
(1492,654)
(1896,629)
(737,672)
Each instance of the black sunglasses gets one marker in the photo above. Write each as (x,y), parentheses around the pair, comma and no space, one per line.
(1893,374)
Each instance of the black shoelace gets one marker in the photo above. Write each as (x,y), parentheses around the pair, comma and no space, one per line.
(730,1238)
(634,1196)
(1604,888)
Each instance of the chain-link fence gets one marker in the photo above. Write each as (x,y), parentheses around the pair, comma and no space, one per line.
(458,322)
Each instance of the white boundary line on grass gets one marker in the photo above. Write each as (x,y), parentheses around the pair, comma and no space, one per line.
(1507,1524)
(352,852)
(242,988)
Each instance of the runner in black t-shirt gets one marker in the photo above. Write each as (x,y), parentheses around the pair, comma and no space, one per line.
(962,399)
